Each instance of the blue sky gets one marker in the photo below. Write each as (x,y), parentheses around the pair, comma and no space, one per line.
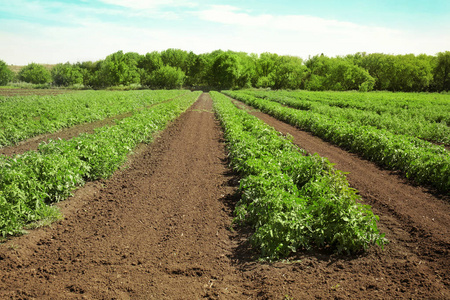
(53,31)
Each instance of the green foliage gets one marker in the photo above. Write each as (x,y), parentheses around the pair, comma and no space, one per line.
(424,116)
(175,58)
(66,75)
(442,72)
(236,70)
(337,74)
(31,181)
(25,117)
(226,70)
(119,69)
(196,70)
(166,77)
(147,64)
(419,160)
(266,64)
(6,75)
(292,200)
(289,73)
(407,73)
(34,73)
(89,71)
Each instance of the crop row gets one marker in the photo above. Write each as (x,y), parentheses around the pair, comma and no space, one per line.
(292,200)
(29,183)
(419,160)
(27,116)
(432,107)
(410,121)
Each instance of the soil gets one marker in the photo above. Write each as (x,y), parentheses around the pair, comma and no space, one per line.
(161,228)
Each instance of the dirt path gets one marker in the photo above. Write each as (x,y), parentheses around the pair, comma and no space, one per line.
(161,229)
(415,221)
(157,228)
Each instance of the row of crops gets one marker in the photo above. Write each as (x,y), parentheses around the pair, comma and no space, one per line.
(35,179)
(28,116)
(292,200)
(425,116)
(359,130)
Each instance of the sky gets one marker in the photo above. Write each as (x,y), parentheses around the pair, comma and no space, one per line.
(57,31)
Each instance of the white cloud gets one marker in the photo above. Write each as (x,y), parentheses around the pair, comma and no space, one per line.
(92,41)
(230,15)
(88,36)
(149,4)
(304,35)
(227,14)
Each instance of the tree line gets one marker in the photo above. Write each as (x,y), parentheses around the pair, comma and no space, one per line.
(175,68)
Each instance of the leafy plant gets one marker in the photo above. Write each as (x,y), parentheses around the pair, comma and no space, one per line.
(34,73)
(419,160)
(292,200)
(25,117)
(29,183)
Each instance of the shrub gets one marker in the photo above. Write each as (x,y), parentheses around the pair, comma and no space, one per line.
(35,73)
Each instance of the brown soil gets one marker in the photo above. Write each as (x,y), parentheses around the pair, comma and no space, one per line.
(162,229)
(64,134)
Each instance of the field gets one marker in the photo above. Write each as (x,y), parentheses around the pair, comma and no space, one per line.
(183,195)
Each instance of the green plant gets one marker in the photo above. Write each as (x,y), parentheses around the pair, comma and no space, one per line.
(34,73)
(292,200)
(6,74)
(419,160)
(30,182)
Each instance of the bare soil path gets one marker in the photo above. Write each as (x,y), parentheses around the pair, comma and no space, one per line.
(416,221)
(162,229)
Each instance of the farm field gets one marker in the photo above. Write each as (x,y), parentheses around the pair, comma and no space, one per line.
(425,116)
(9,92)
(163,227)
(23,117)
(421,161)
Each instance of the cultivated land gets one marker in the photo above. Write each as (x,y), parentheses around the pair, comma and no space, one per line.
(162,228)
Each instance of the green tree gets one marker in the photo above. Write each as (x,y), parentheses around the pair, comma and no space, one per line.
(175,58)
(408,73)
(150,61)
(147,64)
(338,73)
(265,70)
(66,74)
(247,74)
(381,67)
(319,66)
(196,69)
(34,73)
(6,75)
(441,71)
(411,73)
(226,70)
(344,75)
(119,69)
(167,77)
(289,73)
(89,70)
